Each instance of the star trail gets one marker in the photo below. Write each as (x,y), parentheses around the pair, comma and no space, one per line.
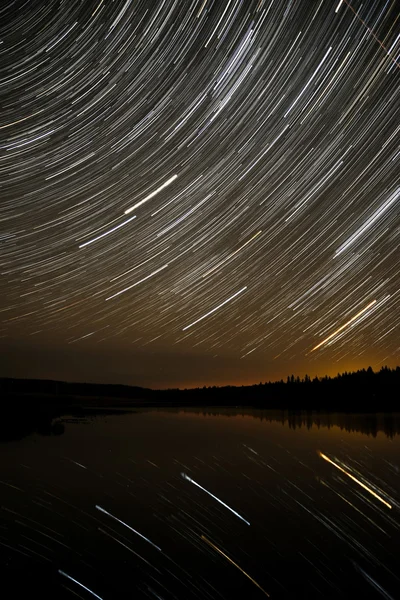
(254,146)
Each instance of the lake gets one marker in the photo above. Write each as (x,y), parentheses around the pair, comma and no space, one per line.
(202,504)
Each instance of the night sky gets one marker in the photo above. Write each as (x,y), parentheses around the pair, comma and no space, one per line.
(198,192)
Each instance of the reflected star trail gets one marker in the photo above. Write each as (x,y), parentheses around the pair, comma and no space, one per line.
(256,143)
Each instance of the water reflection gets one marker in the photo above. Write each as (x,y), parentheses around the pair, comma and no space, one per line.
(202,504)
(16,425)
(369,424)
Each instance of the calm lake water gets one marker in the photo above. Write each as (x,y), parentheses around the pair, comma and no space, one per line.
(210,505)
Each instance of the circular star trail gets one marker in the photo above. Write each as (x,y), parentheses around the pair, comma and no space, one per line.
(202,179)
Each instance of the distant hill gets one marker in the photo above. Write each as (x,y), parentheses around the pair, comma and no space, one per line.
(47,387)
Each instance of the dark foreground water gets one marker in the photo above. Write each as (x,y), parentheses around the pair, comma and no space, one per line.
(184,504)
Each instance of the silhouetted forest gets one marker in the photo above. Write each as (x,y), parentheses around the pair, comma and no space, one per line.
(363,390)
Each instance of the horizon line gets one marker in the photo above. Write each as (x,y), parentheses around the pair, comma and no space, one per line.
(297,379)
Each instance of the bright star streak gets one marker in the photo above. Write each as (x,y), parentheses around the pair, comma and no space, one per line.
(378,213)
(216,308)
(215,497)
(375,584)
(128,526)
(234,564)
(137,283)
(107,232)
(355,479)
(157,191)
(338,6)
(344,326)
(20,120)
(80,584)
